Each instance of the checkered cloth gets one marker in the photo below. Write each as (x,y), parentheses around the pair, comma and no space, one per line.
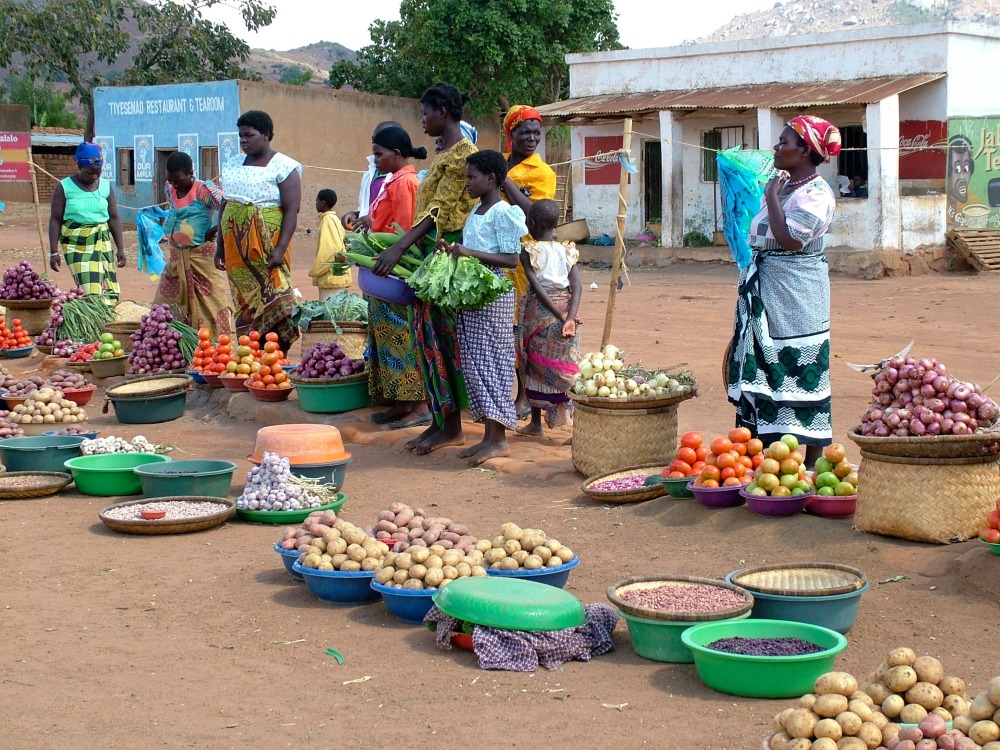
(486,341)
(87,248)
(520,651)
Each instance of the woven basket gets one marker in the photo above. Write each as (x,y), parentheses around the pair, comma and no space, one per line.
(352,341)
(937,500)
(34,314)
(645,402)
(609,440)
(801,579)
(616,589)
(981,443)
(637,495)
(148,386)
(121,331)
(39,484)
(163,526)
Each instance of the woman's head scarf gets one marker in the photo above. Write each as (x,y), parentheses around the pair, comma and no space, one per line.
(820,135)
(88,155)
(515,116)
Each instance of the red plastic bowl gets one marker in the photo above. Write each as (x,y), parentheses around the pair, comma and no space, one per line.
(274,394)
(237,385)
(718,497)
(152,515)
(462,641)
(212,380)
(764,505)
(832,506)
(80,396)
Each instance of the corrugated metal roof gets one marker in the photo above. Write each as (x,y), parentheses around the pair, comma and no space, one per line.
(769,95)
(56,139)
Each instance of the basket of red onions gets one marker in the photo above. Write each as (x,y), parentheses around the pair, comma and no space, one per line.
(156,347)
(23,290)
(329,382)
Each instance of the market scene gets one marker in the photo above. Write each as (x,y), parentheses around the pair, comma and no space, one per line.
(648,414)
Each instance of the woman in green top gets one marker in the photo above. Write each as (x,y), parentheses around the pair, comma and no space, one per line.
(83,221)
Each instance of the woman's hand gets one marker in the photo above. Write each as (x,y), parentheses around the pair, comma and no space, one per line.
(386,260)
(569,329)
(456,250)
(362,224)
(774,186)
(55,261)
(120,258)
(220,257)
(276,258)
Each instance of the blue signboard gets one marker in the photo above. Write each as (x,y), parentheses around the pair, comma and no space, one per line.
(229,146)
(107,144)
(188,143)
(143,158)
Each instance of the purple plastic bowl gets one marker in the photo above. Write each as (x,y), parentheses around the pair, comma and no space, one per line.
(717,497)
(764,505)
(390,288)
(832,506)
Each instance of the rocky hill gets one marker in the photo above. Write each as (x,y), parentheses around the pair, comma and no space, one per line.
(813,16)
(284,67)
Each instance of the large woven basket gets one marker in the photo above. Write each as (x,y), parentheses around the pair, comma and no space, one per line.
(147,386)
(164,526)
(21,485)
(34,314)
(122,332)
(937,500)
(636,495)
(616,589)
(352,341)
(981,443)
(644,402)
(801,579)
(607,440)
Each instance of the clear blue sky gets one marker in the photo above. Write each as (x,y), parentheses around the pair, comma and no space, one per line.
(641,23)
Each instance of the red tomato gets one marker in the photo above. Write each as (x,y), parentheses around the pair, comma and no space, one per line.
(687,455)
(702,452)
(721,445)
(725,461)
(691,439)
(992,536)
(731,482)
(711,472)
(993,519)
(754,446)
(740,434)
(678,465)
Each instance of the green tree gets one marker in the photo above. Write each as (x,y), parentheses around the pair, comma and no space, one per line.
(501,51)
(48,106)
(80,39)
(295,76)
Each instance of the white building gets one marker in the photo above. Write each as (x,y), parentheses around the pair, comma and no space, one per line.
(883,87)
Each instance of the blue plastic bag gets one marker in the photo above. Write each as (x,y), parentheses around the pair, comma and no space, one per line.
(149,224)
(742,176)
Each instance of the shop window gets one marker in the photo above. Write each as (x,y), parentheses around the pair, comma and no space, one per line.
(853,159)
(653,181)
(209,164)
(718,139)
(126,167)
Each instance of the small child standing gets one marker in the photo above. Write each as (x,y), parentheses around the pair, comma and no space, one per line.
(492,234)
(548,344)
(329,249)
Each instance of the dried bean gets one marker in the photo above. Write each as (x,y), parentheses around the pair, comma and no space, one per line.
(175,510)
(687,599)
(765,646)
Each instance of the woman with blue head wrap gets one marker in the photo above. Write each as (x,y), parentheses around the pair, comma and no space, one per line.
(83,221)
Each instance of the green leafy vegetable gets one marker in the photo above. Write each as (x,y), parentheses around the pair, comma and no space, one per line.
(463,284)
(343,307)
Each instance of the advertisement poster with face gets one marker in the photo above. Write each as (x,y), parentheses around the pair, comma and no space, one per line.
(143,158)
(107,145)
(972,178)
(187,143)
(229,147)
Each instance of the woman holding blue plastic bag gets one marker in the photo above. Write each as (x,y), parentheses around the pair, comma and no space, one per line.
(778,369)
(190,283)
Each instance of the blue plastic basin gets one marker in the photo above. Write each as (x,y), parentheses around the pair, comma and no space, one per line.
(836,611)
(552,576)
(338,587)
(288,557)
(408,605)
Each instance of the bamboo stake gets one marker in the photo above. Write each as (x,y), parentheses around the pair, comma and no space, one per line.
(616,266)
(38,210)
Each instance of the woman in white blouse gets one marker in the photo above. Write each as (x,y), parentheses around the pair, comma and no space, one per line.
(262,190)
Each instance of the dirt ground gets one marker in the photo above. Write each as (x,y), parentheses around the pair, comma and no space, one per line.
(204,641)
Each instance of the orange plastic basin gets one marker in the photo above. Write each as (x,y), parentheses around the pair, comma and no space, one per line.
(300,443)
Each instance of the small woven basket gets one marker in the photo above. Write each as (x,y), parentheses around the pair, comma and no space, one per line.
(636,495)
(170,526)
(616,589)
(20,485)
(147,386)
(939,500)
(34,314)
(645,402)
(353,340)
(980,443)
(801,579)
(609,440)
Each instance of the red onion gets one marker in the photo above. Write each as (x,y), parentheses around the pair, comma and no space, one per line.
(962,418)
(905,398)
(934,428)
(962,391)
(940,368)
(896,362)
(927,364)
(987,411)
(917,427)
(928,390)
(958,406)
(935,404)
(885,399)
(974,400)
(902,386)
(941,383)
(901,432)
(910,361)
(881,432)
(928,416)
(959,429)
(947,425)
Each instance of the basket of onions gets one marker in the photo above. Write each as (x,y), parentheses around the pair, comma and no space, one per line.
(24,291)
(328,381)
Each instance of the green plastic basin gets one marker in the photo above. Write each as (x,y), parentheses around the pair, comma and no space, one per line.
(289,516)
(660,640)
(110,474)
(762,676)
(45,453)
(677,486)
(149,410)
(510,604)
(194,477)
(332,398)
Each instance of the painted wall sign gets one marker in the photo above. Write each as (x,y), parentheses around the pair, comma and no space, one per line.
(144,156)
(601,166)
(922,152)
(188,143)
(107,144)
(973,172)
(167,106)
(14,164)
(229,147)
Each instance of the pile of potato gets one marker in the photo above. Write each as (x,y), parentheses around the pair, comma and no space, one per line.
(907,687)
(6,379)
(22,388)
(930,734)
(345,547)
(412,527)
(837,716)
(7,427)
(47,406)
(314,527)
(431,567)
(516,548)
(982,721)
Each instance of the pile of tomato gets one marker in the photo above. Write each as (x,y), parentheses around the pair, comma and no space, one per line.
(991,531)
(85,353)
(15,337)
(246,361)
(724,462)
(271,375)
(204,352)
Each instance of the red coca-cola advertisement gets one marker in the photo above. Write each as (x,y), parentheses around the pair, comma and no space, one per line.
(601,166)
(922,149)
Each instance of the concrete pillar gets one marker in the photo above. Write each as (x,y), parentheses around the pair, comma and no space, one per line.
(769,127)
(672,180)
(883,171)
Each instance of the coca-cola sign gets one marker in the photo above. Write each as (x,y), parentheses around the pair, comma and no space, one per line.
(922,145)
(601,166)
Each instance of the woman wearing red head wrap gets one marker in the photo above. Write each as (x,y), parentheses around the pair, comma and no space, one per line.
(529,179)
(778,372)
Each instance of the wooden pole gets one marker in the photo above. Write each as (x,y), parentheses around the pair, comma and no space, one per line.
(38,210)
(616,265)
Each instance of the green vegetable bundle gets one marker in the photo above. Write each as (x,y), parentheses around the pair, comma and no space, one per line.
(462,284)
(189,339)
(84,317)
(343,307)
(365,247)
